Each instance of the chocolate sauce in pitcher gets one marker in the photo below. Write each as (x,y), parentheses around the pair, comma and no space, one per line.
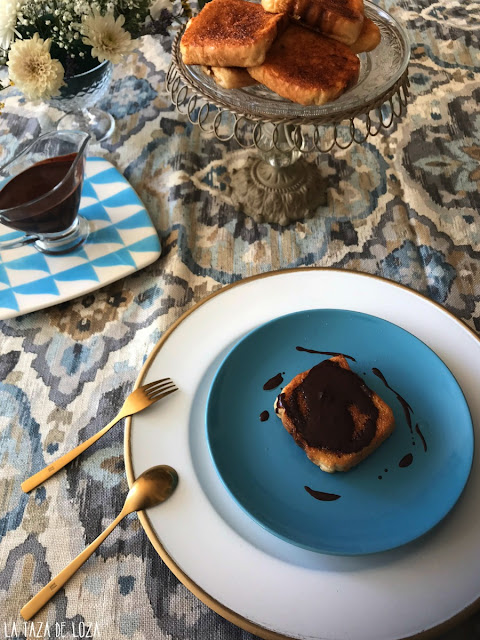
(37,201)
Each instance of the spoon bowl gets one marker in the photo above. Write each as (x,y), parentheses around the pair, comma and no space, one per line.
(151,488)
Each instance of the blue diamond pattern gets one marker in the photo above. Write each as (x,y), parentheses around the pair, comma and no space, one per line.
(3,276)
(106,177)
(133,222)
(8,300)
(88,191)
(8,234)
(123,256)
(107,235)
(121,199)
(73,274)
(94,212)
(43,285)
(82,272)
(147,244)
(35,262)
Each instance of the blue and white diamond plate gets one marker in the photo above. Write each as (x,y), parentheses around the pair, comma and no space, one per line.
(122,240)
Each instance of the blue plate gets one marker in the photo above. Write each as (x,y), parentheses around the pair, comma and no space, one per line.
(394,496)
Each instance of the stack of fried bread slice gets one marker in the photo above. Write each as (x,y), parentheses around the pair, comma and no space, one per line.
(229,77)
(307,68)
(296,48)
(368,39)
(342,20)
(230,33)
(338,19)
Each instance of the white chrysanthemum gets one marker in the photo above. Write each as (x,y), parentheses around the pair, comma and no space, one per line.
(158,6)
(8,21)
(32,69)
(109,41)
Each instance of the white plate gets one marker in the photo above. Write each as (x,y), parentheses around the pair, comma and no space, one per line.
(250,576)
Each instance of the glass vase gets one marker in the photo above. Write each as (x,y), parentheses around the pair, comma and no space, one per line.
(78,98)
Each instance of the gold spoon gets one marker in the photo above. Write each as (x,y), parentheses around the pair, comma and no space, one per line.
(153,486)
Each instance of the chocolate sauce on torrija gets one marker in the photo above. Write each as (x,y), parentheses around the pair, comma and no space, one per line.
(319,408)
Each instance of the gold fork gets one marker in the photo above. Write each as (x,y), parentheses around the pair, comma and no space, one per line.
(138,400)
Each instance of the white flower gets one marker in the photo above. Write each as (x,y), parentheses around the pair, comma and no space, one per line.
(109,41)
(157,6)
(32,69)
(8,20)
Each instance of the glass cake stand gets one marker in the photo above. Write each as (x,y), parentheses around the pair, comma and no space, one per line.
(277,184)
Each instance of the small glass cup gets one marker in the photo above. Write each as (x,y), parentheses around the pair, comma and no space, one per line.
(78,98)
(40,191)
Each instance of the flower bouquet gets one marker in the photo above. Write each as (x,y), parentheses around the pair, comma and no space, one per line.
(57,48)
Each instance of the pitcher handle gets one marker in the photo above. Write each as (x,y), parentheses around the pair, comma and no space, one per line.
(17,242)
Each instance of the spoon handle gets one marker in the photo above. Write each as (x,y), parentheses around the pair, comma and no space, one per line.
(45,594)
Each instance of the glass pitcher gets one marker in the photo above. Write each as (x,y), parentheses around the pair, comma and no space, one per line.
(40,191)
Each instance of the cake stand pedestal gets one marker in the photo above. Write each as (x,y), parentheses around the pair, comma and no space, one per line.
(277,184)
(277,194)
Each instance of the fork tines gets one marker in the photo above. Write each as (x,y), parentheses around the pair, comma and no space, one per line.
(155,383)
(159,389)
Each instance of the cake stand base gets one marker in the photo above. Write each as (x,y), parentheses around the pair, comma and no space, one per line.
(280,195)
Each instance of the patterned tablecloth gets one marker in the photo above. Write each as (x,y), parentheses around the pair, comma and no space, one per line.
(404,205)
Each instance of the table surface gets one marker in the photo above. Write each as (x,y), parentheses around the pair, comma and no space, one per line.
(404,205)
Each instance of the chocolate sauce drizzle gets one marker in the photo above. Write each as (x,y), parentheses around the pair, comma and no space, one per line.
(325,353)
(264,416)
(273,382)
(424,442)
(407,409)
(406,461)
(321,495)
(320,408)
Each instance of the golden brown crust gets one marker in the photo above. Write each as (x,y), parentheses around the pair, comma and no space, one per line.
(369,38)
(331,461)
(230,77)
(338,19)
(307,68)
(279,6)
(230,33)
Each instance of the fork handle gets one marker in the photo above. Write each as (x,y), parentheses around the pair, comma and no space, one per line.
(47,472)
(44,595)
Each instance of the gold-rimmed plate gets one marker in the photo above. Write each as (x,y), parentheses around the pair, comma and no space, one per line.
(251,577)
